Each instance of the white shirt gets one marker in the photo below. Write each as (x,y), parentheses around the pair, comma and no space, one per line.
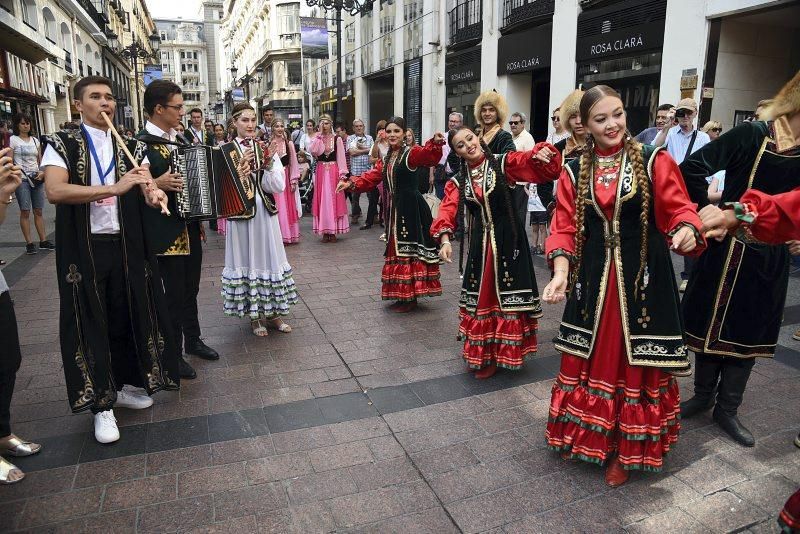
(197,137)
(26,153)
(103,218)
(524,141)
(678,141)
(171,135)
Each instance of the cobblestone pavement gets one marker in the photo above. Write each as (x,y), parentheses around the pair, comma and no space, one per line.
(364,420)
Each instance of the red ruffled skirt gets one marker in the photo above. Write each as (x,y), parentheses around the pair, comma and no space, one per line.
(491,335)
(604,405)
(406,279)
(789,519)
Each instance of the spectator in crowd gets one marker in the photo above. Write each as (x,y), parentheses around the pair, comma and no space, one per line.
(449,163)
(220,137)
(647,135)
(559,132)
(10,357)
(523,141)
(30,193)
(267,115)
(196,133)
(681,141)
(208,124)
(358,147)
(375,196)
(716,183)
(341,131)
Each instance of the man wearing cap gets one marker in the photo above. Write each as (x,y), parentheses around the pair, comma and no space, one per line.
(681,141)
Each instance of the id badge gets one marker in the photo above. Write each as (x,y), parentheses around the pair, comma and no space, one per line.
(106,202)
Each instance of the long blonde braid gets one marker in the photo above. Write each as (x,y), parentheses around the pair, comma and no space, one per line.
(584,182)
(634,151)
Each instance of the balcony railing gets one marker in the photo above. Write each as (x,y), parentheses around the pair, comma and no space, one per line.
(522,11)
(466,22)
(68,62)
(96,9)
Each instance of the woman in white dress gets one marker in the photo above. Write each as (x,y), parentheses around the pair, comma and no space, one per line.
(257,279)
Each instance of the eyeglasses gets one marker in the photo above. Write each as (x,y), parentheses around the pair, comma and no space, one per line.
(173,106)
(513,123)
(718,130)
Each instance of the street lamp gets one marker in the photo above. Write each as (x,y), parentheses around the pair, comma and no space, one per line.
(135,51)
(353,7)
(246,80)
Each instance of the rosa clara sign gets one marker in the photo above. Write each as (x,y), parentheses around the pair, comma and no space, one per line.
(525,51)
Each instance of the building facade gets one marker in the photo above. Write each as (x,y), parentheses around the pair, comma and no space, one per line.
(425,58)
(261,39)
(184,59)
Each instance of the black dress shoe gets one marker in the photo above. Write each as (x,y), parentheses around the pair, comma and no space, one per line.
(200,349)
(694,406)
(734,428)
(186,370)
(365,227)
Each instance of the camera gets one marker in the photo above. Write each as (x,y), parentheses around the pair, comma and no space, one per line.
(681,113)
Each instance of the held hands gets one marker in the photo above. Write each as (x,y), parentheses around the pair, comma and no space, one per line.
(717,222)
(446,252)
(556,290)
(343,185)
(543,155)
(794,247)
(684,241)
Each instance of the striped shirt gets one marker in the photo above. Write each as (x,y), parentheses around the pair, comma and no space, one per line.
(677,143)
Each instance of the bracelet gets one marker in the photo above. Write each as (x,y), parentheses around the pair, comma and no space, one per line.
(446,243)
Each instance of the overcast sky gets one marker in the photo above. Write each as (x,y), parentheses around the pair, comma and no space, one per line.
(188,9)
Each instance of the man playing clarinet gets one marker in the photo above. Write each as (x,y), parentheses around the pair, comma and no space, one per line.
(116,341)
(178,246)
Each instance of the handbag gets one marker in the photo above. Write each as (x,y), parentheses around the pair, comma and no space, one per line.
(433,202)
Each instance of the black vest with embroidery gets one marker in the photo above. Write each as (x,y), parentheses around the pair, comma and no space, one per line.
(491,226)
(651,321)
(169,235)
(411,217)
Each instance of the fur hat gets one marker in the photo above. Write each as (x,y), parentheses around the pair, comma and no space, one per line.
(495,99)
(569,107)
(786,102)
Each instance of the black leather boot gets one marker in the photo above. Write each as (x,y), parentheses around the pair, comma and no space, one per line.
(735,373)
(706,374)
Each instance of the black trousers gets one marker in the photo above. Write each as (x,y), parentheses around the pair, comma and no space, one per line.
(355,207)
(372,208)
(9,362)
(181,277)
(724,375)
(113,289)
(519,197)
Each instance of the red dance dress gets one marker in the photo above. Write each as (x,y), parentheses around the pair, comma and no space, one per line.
(771,219)
(411,266)
(601,405)
(496,329)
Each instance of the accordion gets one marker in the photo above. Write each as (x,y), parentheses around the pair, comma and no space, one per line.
(211,186)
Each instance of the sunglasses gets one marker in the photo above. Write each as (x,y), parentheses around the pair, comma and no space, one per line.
(513,123)
(718,130)
(554,118)
(683,113)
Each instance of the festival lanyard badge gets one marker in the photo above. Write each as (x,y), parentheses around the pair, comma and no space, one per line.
(110,201)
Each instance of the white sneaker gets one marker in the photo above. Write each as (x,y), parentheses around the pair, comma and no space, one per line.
(130,397)
(105,427)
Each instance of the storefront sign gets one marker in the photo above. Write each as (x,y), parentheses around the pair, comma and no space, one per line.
(525,51)
(628,41)
(462,72)
(25,77)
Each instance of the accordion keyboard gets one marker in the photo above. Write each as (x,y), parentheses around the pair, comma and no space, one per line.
(196,199)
